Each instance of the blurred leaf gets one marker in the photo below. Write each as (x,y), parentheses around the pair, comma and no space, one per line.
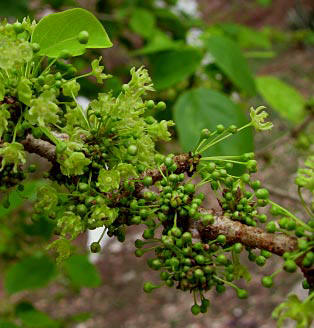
(230,59)
(171,67)
(17,198)
(43,228)
(142,22)
(58,32)
(204,108)
(169,21)
(264,3)
(282,97)
(16,8)
(33,318)
(158,42)
(81,272)
(7,324)
(245,36)
(30,273)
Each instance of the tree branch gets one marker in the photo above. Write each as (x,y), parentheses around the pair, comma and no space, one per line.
(234,231)
(40,147)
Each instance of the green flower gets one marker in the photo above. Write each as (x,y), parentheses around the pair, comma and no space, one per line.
(43,110)
(71,88)
(103,215)
(70,225)
(12,153)
(97,71)
(47,199)
(258,117)
(293,308)
(108,180)
(305,177)
(73,163)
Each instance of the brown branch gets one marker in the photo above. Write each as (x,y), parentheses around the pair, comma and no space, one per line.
(40,147)
(234,231)
(253,237)
(249,236)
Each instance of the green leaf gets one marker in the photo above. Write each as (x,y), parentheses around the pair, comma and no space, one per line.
(33,318)
(142,22)
(17,198)
(7,324)
(204,108)
(230,59)
(58,32)
(30,273)
(282,97)
(81,272)
(24,91)
(159,41)
(17,8)
(171,67)
(245,36)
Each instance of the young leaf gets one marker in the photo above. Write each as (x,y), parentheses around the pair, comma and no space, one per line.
(58,32)
(142,22)
(171,67)
(230,59)
(204,108)
(81,272)
(30,273)
(282,97)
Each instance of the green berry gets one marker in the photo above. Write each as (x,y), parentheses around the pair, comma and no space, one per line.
(83,37)
(149,287)
(189,188)
(267,281)
(220,128)
(95,247)
(18,27)
(242,293)
(195,309)
(260,260)
(221,259)
(161,105)
(290,266)
(147,181)
(176,232)
(262,193)
(150,104)
(132,150)
(221,239)
(271,227)
(205,134)
(238,247)
(35,47)
(200,259)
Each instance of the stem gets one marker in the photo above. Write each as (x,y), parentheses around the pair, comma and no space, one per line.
(297,220)
(308,211)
